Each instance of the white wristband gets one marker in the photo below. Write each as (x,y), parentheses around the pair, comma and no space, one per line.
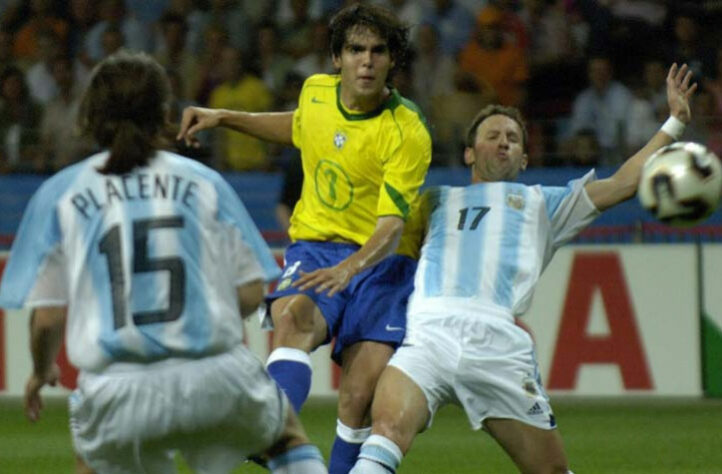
(674,127)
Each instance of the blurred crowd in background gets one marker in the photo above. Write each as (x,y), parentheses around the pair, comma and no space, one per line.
(589,74)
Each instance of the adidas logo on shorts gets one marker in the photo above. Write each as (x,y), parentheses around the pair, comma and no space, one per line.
(536,409)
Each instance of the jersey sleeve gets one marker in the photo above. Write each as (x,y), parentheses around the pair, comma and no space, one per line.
(298,118)
(34,273)
(404,172)
(252,257)
(569,209)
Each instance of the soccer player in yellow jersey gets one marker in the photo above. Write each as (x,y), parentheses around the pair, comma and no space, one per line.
(365,151)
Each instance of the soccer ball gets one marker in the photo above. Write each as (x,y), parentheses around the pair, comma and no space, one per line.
(681,183)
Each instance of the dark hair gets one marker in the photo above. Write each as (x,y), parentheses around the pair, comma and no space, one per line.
(125,109)
(495,109)
(377,19)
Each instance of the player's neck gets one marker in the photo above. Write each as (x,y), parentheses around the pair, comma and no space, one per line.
(362,104)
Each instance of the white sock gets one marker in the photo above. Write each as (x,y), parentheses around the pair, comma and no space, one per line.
(305,459)
(379,455)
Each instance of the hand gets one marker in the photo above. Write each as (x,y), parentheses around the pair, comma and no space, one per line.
(332,279)
(194,120)
(33,402)
(679,91)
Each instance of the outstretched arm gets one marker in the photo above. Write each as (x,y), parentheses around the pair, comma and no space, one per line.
(46,337)
(622,185)
(276,127)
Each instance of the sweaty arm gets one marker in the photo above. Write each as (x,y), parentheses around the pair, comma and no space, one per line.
(622,185)
(273,127)
(381,244)
(46,336)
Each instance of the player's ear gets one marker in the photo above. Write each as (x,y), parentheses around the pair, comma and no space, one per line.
(524,161)
(469,156)
(336,62)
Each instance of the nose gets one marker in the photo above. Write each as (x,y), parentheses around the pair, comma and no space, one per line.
(503,141)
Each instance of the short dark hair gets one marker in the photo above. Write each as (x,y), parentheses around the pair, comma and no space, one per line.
(496,109)
(125,109)
(377,19)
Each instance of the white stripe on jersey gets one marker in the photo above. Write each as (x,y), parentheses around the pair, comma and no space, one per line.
(151,260)
(487,244)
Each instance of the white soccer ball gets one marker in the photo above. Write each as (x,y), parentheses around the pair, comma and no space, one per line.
(681,183)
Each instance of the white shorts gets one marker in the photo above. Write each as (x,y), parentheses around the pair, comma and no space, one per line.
(215,411)
(488,367)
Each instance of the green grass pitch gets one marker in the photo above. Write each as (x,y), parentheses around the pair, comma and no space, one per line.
(601,436)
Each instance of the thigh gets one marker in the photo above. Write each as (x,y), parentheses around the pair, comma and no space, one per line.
(376,310)
(429,357)
(400,408)
(306,257)
(533,450)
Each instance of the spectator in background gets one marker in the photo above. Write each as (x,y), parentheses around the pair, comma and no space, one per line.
(209,70)
(713,84)
(296,34)
(604,108)
(273,64)
(490,58)
(411,12)
(174,54)
(7,57)
(649,104)
(82,15)
(61,142)
(554,55)
(235,21)
(112,15)
(177,103)
(454,23)
(41,83)
(240,90)
(688,46)
(433,70)
(196,22)
(19,120)
(112,40)
(318,61)
(40,18)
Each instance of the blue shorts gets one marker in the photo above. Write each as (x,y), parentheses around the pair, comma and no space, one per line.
(371,308)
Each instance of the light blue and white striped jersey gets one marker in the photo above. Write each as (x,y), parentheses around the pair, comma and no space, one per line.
(487,244)
(148,262)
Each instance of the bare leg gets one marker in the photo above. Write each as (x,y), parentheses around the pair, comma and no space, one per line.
(399,412)
(533,450)
(299,328)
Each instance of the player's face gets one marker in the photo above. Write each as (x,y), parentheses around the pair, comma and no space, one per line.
(498,152)
(364,62)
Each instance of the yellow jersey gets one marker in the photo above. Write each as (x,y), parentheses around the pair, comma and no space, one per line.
(357,167)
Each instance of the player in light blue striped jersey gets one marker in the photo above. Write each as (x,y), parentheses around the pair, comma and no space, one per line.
(486,246)
(147,261)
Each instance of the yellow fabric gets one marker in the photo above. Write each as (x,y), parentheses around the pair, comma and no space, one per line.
(239,151)
(357,167)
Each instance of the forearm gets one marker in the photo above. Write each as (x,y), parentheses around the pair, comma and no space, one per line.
(46,337)
(273,127)
(382,243)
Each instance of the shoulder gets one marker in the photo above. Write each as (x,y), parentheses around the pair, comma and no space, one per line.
(175,160)
(408,115)
(321,80)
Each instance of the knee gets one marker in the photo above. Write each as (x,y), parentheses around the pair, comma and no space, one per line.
(354,401)
(292,318)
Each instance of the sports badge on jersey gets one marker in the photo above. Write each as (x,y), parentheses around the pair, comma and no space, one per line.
(339,139)
(515,201)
